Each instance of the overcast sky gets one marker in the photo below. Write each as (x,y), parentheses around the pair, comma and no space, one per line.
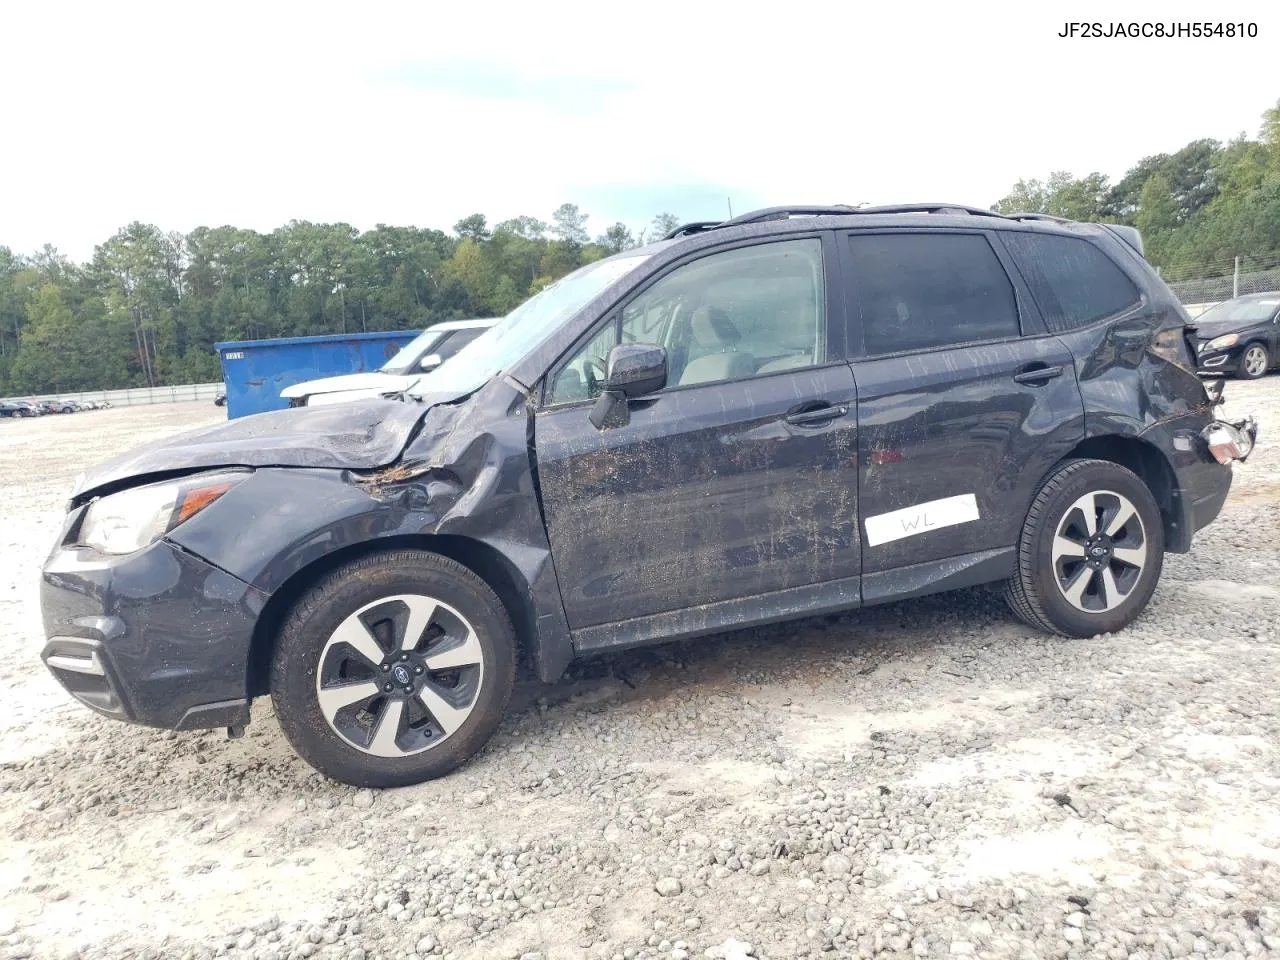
(252,114)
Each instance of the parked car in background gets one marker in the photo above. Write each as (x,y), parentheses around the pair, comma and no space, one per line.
(426,352)
(59,406)
(797,411)
(12,408)
(1240,336)
(28,408)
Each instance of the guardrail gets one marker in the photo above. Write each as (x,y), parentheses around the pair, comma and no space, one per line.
(135,396)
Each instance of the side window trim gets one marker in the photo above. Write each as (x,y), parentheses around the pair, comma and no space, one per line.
(1030,319)
(834,311)
(1030,323)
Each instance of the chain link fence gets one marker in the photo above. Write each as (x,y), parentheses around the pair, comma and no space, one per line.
(1200,287)
(134,396)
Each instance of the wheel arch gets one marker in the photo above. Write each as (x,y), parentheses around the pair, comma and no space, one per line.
(1152,467)
(480,558)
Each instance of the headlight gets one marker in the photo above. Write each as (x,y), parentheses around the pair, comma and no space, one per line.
(126,522)
(1221,343)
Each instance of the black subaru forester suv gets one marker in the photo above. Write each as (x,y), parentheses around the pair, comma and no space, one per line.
(795,411)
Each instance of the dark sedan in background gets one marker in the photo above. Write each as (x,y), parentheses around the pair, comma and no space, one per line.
(1240,336)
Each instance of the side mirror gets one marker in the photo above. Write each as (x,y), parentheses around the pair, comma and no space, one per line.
(632,370)
(636,369)
(430,362)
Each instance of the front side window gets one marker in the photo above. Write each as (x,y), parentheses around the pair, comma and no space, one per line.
(745,312)
(1074,282)
(916,291)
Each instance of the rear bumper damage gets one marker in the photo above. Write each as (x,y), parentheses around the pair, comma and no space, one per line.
(1229,441)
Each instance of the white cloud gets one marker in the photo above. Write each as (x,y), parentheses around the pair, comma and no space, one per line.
(256,113)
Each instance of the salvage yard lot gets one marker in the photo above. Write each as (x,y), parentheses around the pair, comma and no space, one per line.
(927,778)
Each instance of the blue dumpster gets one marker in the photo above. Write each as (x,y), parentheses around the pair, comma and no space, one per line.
(255,371)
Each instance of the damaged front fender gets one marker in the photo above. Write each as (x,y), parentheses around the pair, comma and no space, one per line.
(464,486)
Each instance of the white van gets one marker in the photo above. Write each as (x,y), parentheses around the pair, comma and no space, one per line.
(427,351)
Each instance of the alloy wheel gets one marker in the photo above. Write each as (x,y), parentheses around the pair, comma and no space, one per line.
(400,675)
(1255,361)
(1099,551)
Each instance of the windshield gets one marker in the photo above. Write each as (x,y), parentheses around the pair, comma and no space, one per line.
(411,353)
(525,327)
(1240,311)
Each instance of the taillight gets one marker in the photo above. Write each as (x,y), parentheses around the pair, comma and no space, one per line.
(1171,344)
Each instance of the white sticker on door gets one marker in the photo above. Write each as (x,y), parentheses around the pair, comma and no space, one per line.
(923,517)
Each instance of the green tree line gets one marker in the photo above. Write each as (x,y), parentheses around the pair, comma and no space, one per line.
(148,307)
(1197,208)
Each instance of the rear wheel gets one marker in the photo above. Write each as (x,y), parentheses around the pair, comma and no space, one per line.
(1254,362)
(393,669)
(1091,551)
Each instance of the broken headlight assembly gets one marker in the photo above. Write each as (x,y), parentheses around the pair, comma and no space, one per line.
(125,522)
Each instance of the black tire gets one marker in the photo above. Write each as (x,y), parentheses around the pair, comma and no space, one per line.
(309,632)
(1260,369)
(1034,592)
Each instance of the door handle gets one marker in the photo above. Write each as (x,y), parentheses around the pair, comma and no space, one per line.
(1038,374)
(817,415)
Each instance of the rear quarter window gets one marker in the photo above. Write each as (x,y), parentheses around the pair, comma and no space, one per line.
(1074,282)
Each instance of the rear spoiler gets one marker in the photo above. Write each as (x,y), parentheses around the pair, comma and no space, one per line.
(1129,235)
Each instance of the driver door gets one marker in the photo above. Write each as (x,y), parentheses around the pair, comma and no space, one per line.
(739,479)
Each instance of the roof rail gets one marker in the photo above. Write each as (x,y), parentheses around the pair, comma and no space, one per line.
(841,210)
(1039,216)
(687,229)
(931,208)
(783,213)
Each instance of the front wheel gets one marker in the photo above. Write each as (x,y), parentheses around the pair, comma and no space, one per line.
(393,669)
(1254,362)
(1091,551)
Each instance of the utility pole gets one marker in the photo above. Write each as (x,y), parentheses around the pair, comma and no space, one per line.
(1235,281)
(730,203)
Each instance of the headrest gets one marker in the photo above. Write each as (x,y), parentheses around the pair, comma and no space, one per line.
(713,328)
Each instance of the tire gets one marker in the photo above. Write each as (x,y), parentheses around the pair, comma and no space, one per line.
(1255,361)
(1061,586)
(459,674)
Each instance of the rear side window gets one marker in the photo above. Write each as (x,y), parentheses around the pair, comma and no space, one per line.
(914,291)
(1074,282)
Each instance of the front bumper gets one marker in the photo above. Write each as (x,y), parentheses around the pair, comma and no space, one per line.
(1218,362)
(159,637)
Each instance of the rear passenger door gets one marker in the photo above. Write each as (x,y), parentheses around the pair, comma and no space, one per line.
(964,401)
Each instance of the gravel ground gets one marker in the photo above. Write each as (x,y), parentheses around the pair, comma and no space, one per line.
(928,778)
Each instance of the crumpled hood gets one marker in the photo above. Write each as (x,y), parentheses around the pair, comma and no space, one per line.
(360,435)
